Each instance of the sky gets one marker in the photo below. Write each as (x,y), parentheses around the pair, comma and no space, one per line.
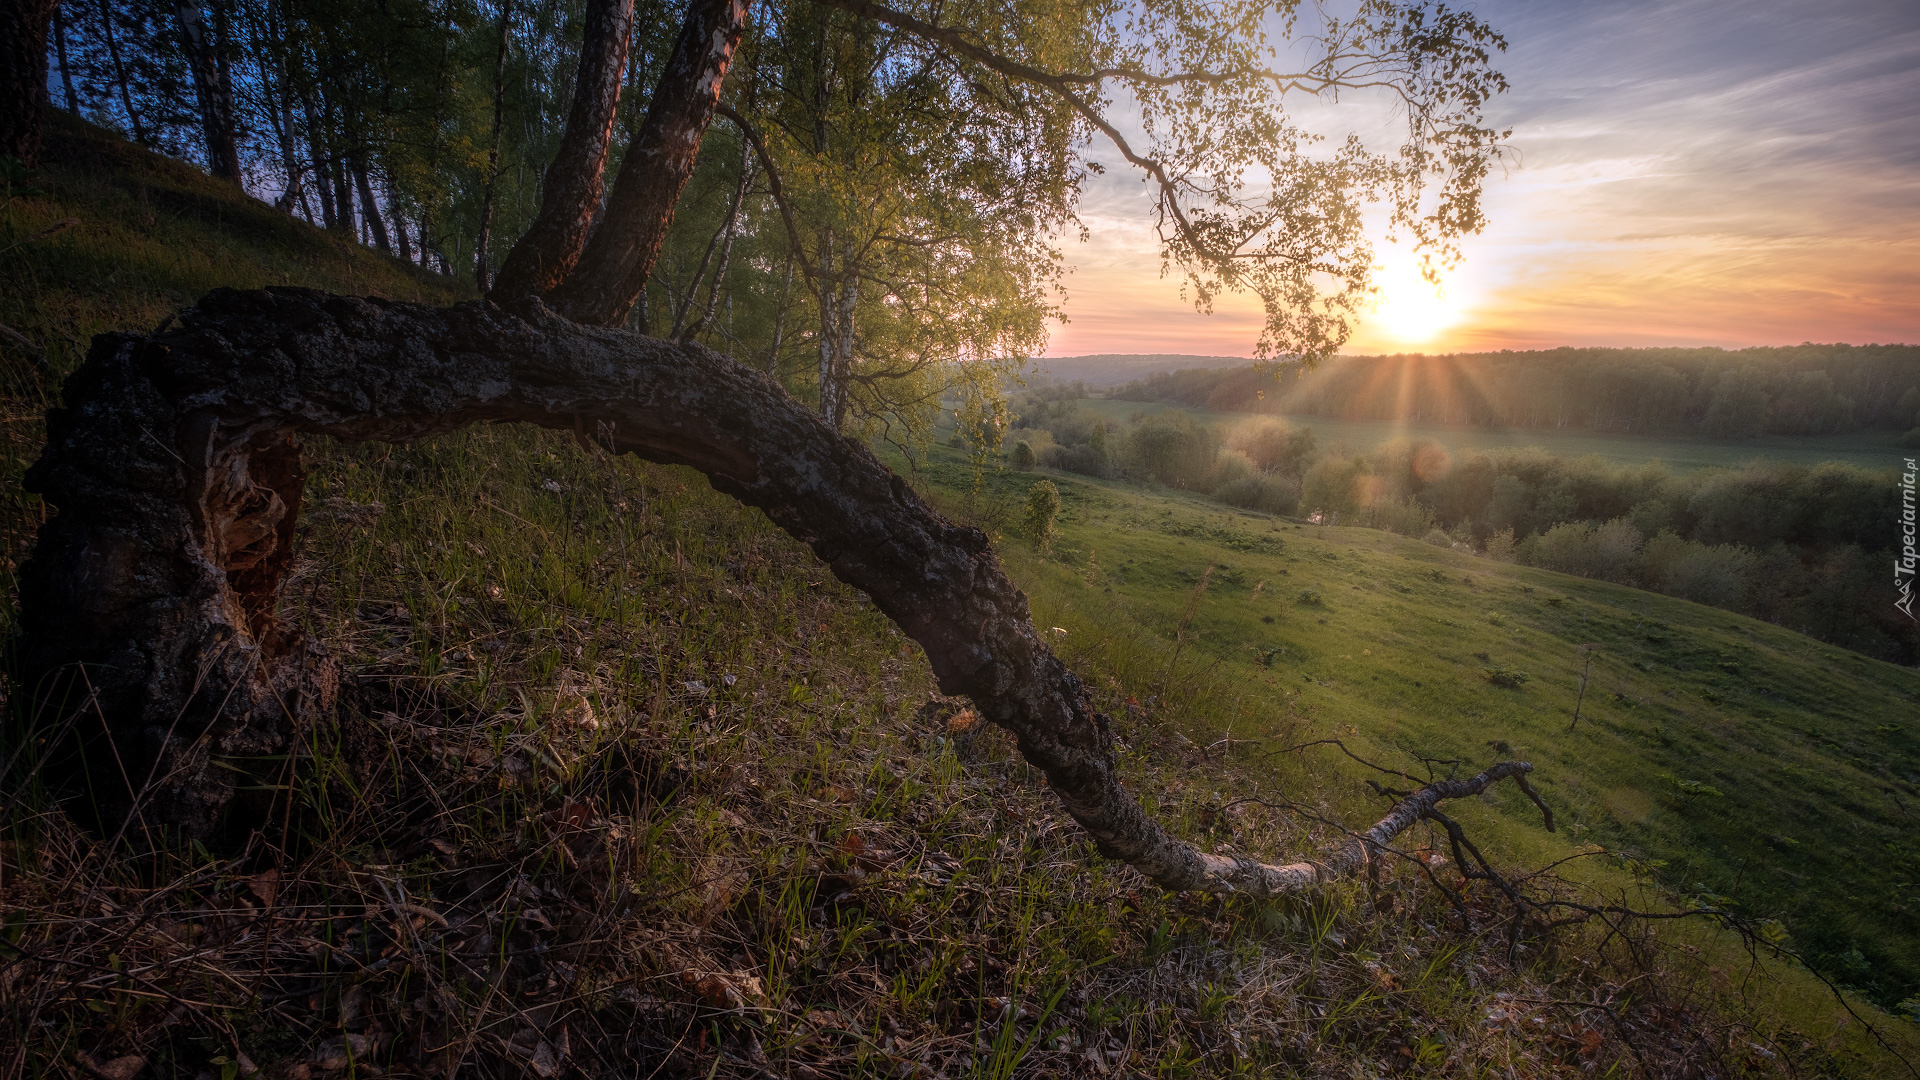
(1685,172)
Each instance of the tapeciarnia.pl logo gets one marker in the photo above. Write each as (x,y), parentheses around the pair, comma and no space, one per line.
(1903,566)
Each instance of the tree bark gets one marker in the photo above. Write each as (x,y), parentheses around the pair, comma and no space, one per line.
(174,470)
(23,75)
(570,199)
(482,267)
(322,171)
(369,209)
(619,258)
(216,100)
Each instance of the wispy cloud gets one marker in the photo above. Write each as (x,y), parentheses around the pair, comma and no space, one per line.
(1687,172)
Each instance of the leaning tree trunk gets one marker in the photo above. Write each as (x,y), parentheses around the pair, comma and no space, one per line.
(547,252)
(23,75)
(175,473)
(614,268)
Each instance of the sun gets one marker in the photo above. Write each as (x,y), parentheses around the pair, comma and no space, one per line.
(1409,308)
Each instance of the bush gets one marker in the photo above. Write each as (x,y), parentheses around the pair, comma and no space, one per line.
(1043,505)
(1173,450)
(1273,446)
(1506,677)
(1438,538)
(1330,485)
(1721,575)
(1267,494)
(1607,552)
(1500,546)
(1085,459)
(1232,466)
(1404,516)
(1023,459)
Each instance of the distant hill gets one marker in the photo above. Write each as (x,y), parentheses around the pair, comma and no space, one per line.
(1115,369)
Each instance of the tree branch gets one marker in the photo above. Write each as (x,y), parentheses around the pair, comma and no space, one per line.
(175,475)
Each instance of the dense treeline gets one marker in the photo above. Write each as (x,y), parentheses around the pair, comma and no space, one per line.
(1806,547)
(1794,390)
(877,237)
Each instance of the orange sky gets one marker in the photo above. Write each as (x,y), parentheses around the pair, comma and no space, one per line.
(1689,172)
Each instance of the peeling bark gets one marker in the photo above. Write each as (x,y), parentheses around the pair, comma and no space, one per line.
(615,266)
(174,470)
(570,198)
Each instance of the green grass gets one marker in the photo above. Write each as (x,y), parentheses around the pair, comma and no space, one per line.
(1738,759)
(113,237)
(1873,449)
(624,779)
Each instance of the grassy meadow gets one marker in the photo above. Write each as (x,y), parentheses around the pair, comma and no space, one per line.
(1733,759)
(625,783)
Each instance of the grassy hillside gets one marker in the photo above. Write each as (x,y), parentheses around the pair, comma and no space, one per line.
(624,783)
(1736,759)
(107,236)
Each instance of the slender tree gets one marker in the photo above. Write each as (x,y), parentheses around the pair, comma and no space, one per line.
(211,85)
(66,60)
(482,271)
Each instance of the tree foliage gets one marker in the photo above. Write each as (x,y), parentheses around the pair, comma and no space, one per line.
(881,221)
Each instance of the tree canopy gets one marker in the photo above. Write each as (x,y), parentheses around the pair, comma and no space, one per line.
(895,190)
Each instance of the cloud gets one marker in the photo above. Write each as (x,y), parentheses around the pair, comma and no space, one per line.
(1723,172)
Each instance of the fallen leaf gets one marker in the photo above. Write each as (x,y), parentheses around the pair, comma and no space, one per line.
(265,885)
(125,1067)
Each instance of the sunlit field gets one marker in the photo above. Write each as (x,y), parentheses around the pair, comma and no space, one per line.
(1870,449)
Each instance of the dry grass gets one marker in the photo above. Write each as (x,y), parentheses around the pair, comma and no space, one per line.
(628,786)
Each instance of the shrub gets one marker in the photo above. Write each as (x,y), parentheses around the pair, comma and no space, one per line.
(1023,459)
(1438,538)
(1404,516)
(1500,546)
(1043,505)
(1721,575)
(1329,485)
(1506,677)
(1085,459)
(1231,466)
(1273,446)
(1173,450)
(1607,552)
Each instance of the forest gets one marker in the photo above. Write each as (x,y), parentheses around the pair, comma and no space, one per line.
(1728,394)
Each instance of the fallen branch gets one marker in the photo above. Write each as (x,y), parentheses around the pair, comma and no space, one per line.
(176,474)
